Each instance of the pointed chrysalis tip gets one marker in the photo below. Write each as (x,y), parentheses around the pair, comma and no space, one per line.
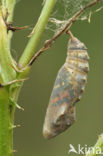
(47,134)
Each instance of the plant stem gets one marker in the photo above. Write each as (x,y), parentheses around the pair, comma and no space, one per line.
(7,73)
(5,136)
(37,32)
(10,5)
(98,148)
(7,111)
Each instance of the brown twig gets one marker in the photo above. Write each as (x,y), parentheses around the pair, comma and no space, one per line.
(66,27)
(12,28)
(10,24)
(17,28)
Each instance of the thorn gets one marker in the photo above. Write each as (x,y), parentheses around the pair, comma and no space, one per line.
(15,104)
(15,126)
(14,151)
(19,107)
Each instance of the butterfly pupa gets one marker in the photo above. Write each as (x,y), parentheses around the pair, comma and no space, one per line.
(68,89)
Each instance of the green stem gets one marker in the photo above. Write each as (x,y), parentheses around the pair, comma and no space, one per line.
(7,111)
(7,73)
(37,32)
(10,5)
(5,145)
(14,96)
(98,148)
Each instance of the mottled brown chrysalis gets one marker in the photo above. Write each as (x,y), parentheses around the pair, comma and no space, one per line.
(68,89)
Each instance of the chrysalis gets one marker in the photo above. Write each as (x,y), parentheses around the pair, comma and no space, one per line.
(68,89)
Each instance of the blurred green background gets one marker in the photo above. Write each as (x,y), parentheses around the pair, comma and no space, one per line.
(28,139)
